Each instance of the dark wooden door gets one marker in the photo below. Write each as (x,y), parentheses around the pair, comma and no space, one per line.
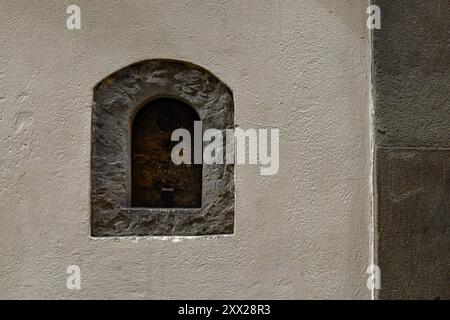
(156,181)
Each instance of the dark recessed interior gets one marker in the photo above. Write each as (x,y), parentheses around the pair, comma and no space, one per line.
(156,181)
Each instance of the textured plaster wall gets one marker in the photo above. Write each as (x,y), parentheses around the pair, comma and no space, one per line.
(299,65)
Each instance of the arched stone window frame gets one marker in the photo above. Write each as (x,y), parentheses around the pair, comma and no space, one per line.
(117,99)
(159,183)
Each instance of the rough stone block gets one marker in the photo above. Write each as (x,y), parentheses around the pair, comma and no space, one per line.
(414,223)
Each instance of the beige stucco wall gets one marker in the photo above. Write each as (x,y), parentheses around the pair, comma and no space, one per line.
(299,65)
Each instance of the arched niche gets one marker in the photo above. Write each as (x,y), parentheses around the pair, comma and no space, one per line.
(201,201)
(156,181)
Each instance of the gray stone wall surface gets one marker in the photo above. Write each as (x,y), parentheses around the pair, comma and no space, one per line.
(412,106)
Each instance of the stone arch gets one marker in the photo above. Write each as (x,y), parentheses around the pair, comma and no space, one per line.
(117,100)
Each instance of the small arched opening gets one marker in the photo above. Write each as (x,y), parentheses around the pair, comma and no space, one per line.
(156,181)
(136,187)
